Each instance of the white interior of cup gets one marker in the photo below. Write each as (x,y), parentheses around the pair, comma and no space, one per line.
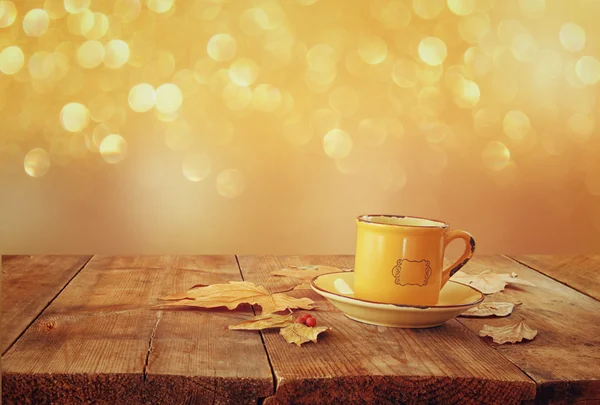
(402,221)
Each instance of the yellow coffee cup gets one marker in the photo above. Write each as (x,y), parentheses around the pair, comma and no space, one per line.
(399,259)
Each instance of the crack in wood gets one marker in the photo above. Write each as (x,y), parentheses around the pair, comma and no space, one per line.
(151,345)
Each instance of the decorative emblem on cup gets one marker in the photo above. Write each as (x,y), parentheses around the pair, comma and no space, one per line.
(412,272)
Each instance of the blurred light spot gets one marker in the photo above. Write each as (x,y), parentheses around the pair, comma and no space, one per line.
(474,27)
(243,72)
(166,117)
(588,70)
(37,162)
(266,97)
(100,27)
(127,10)
(178,135)
(431,99)
(372,49)
(337,144)
(142,97)
(485,119)
(250,21)
(505,60)
(74,117)
(8,13)
(581,126)
(196,166)
(218,81)
(496,156)
(271,15)
(90,54)
(321,57)
(221,47)
(430,74)
(113,148)
(230,183)
(372,132)
(467,95)
(524,47)
(324,120)
(428,9)
(159,6)
(76,6)
(532,8)
(41,65)
(516,124)
(168,98)
(100,132)
(237,97)
(572,37)
(11,60)
(344,100)
(432,51)
(462,7)
(394,14)
(404,73)
(116,54)
(35,22)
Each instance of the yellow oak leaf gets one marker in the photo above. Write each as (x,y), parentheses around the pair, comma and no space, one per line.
(508,334)
(490,309)
(234,293)
(488,282)
(299,333)
(261,322)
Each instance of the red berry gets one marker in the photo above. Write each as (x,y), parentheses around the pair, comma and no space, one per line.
(300,319)
(305,317)
(311,322)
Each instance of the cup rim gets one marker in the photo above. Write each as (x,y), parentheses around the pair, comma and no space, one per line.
(363,219)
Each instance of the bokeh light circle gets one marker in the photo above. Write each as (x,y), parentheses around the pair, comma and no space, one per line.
(35,22)
(432,51)
(74,117)
(243,72)
(142,97)
(90,54)
(196,166)
(516,124)
(116,53)
(168,98)
(113,148)
(337,144)
(495,156)
(572,37)
(76,6)
(588,70)
(462,7)
(221,47)
(8,13)
(11,60)
(37,162)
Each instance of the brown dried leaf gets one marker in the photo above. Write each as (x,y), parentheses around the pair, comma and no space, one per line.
(508,334)
(490,309)
(299,333)
(487,282)
(235,293)
(261,322)
(306,273)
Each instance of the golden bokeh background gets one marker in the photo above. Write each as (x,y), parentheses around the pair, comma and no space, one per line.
(266,126)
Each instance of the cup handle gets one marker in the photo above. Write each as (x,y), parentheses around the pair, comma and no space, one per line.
(464,258)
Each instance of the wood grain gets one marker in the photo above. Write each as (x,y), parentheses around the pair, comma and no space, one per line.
(564,359)
(580,272)
(357,363)
(101,341)
(29,284)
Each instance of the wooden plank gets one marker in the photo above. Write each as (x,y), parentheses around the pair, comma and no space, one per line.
(358,363)
(580,272)
(29,284)
(564,358)
(101,341)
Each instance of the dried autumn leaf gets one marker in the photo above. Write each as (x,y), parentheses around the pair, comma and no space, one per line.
(488,282)
(299,333)
(508,334)
(235,293)
(490,309)
(261,322)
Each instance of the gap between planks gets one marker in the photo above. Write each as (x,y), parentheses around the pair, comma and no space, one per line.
(45,306)
(262,340)
(547,275)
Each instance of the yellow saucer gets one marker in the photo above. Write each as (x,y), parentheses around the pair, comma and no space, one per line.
(454,299)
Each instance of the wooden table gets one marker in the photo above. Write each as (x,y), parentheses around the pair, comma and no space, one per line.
(83,330)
